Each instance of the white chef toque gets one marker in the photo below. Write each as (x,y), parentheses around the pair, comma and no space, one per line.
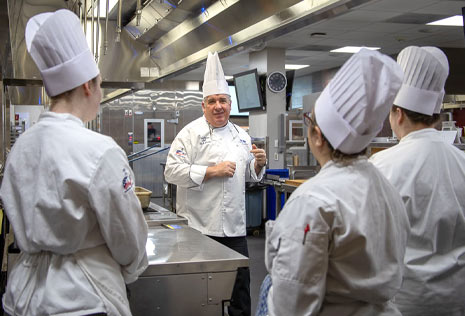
(213,80)
(425,73)
(352,108)
(59,48)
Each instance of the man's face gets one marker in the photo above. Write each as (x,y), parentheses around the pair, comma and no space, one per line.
(216,108)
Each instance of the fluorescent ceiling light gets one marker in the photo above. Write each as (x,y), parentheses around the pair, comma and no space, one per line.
(456,20)
(352,49)
(294,67)
(228,77)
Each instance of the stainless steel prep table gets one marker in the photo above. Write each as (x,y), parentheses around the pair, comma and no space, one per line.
(188,274)
(157,215)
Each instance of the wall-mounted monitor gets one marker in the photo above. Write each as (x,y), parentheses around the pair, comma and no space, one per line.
(249,93)
(234,108)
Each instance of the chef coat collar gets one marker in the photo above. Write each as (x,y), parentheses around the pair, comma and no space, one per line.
(48,115)
(424,132)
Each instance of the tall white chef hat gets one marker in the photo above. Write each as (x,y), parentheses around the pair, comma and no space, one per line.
(352,108)
(425,73)
(59,48)
(213,80)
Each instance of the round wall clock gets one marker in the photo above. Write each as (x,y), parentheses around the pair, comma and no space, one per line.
(276,81)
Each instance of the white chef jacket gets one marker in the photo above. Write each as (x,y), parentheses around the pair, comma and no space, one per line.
(69,195)
(430,176)
(215,207)
(350,260)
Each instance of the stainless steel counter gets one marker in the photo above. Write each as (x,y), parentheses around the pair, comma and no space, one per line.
(188,273)
(185,250)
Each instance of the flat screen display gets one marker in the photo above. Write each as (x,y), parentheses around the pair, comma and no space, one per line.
(249,94)
(234,108)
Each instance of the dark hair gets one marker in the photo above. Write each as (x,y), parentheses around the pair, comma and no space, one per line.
(416,117)
(336,155)
(67,94)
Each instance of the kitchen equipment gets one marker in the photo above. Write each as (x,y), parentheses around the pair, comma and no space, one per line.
(144,196)
(188,274)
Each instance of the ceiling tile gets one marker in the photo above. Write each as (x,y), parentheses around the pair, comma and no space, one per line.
(383,27)
(399,5)
(443,7)
(454,44)
(304,53)
(334,42)
(359,36)
(431,29)
(415,18)
(364,25)
(293,42)
(366,15)
(340,25)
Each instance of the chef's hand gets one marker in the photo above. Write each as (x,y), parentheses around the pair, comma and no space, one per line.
(223,169)
(260,158)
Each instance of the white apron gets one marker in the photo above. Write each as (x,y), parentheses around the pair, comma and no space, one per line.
(40,278)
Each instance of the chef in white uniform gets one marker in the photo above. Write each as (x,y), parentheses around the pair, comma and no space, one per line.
(210,160)
(430,176)
(69,192)
(338,245)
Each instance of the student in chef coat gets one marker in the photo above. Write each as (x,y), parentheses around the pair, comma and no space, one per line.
(69,192)
(210,160)
(338,245)
(430,176)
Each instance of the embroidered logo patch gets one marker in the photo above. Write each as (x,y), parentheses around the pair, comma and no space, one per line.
(204,140)
(243,142)
(127,181)
(180,153)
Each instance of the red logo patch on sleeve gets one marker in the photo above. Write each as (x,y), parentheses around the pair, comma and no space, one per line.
(127,181)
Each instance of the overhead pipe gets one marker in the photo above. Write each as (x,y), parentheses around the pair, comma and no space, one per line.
(105,36)
(4,129)
(150,154)
(98,32)
(85,17)
(138,12)
(80,11)
(118,21)
(92,28)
